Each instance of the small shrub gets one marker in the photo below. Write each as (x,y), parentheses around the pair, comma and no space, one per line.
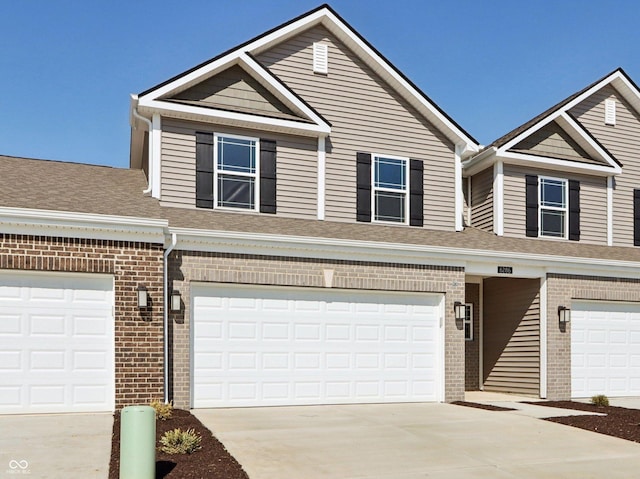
(163,411)
(600,400)
(178,441)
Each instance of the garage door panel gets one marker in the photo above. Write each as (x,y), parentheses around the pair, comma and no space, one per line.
(56,338)
(605,349)
(283,346)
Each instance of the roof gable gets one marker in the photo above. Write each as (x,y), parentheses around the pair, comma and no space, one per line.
(329,19)
(601,161)
(234,89)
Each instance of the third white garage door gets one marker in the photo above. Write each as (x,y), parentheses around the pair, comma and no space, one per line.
(605,349)
(260,346)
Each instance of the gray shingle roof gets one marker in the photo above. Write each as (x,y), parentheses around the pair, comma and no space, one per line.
(73,187)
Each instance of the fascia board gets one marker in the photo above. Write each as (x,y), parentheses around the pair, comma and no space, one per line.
(299,246)
(579,135)
(557,164)
(634,95)
(479,162)
(209,114)
(86,225)
(455,134)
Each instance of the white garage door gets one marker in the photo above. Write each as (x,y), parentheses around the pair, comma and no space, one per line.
(282,346)
(56,343)
(605,349)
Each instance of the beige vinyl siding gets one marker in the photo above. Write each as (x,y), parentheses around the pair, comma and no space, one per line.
(296,167)
(511,325)
(552,141)
(593,203)
(466,201)
(482,200)
(623,142)
(366,115)
(234,89)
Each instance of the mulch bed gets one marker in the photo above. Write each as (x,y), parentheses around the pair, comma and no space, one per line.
(618,422)
(476,405)
(212,460)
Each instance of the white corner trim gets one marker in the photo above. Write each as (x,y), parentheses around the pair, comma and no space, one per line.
(156,152)
(481,333)
(321,185)
(609,210)
(498,198)
(459,195)
(543,337)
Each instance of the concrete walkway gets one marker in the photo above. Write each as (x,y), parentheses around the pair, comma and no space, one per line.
(57,446)
(411,441)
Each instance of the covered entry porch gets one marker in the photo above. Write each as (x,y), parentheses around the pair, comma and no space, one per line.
(504,345)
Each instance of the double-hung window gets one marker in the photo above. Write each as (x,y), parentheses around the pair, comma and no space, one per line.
(235,177)
(390,187)
(553,207)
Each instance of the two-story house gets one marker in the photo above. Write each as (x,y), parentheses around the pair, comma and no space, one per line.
(301,224)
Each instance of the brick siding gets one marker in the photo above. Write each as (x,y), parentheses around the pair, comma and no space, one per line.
(187,266)
(472,348)
(138,334)
(561,289)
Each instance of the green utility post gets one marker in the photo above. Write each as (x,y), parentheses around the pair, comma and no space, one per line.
(138,443)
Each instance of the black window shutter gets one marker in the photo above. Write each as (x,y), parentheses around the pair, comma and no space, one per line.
(363,178)
(574,210)
(636,217)
(532,205)
(204,170)
(416,203)
(267,176)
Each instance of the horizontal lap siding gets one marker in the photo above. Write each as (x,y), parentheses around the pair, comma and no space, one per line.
(178,170)
(593,203)
(296,167)
(511,324)
(553,141)
(623,142)
(482,200)
(366,115)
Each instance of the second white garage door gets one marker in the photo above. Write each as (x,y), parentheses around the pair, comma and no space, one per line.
(605,349)
(258,346)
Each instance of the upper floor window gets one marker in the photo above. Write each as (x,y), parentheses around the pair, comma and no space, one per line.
(553,207)
(390,186)
(236,164)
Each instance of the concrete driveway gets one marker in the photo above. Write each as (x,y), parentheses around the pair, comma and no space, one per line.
(55,446)
(411,441)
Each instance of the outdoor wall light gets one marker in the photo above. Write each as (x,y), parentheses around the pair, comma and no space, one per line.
(175,301)
(460,310)
(142,297)
(564,314)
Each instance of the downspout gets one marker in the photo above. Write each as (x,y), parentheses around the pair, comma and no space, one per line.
(134,110)
(174,240)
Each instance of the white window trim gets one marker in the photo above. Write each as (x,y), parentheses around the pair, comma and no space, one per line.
(553,208)
(407,189)
(255,175)
(468,321)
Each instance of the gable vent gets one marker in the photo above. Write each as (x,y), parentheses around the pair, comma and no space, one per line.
(609,112)
(320,58)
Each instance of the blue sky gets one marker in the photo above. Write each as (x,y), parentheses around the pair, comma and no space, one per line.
(67,67)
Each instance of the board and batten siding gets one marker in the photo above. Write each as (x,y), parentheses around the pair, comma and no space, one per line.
(366,115)
(593,203)
(297,175)
(511,325)
(623,142)
(482,200)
